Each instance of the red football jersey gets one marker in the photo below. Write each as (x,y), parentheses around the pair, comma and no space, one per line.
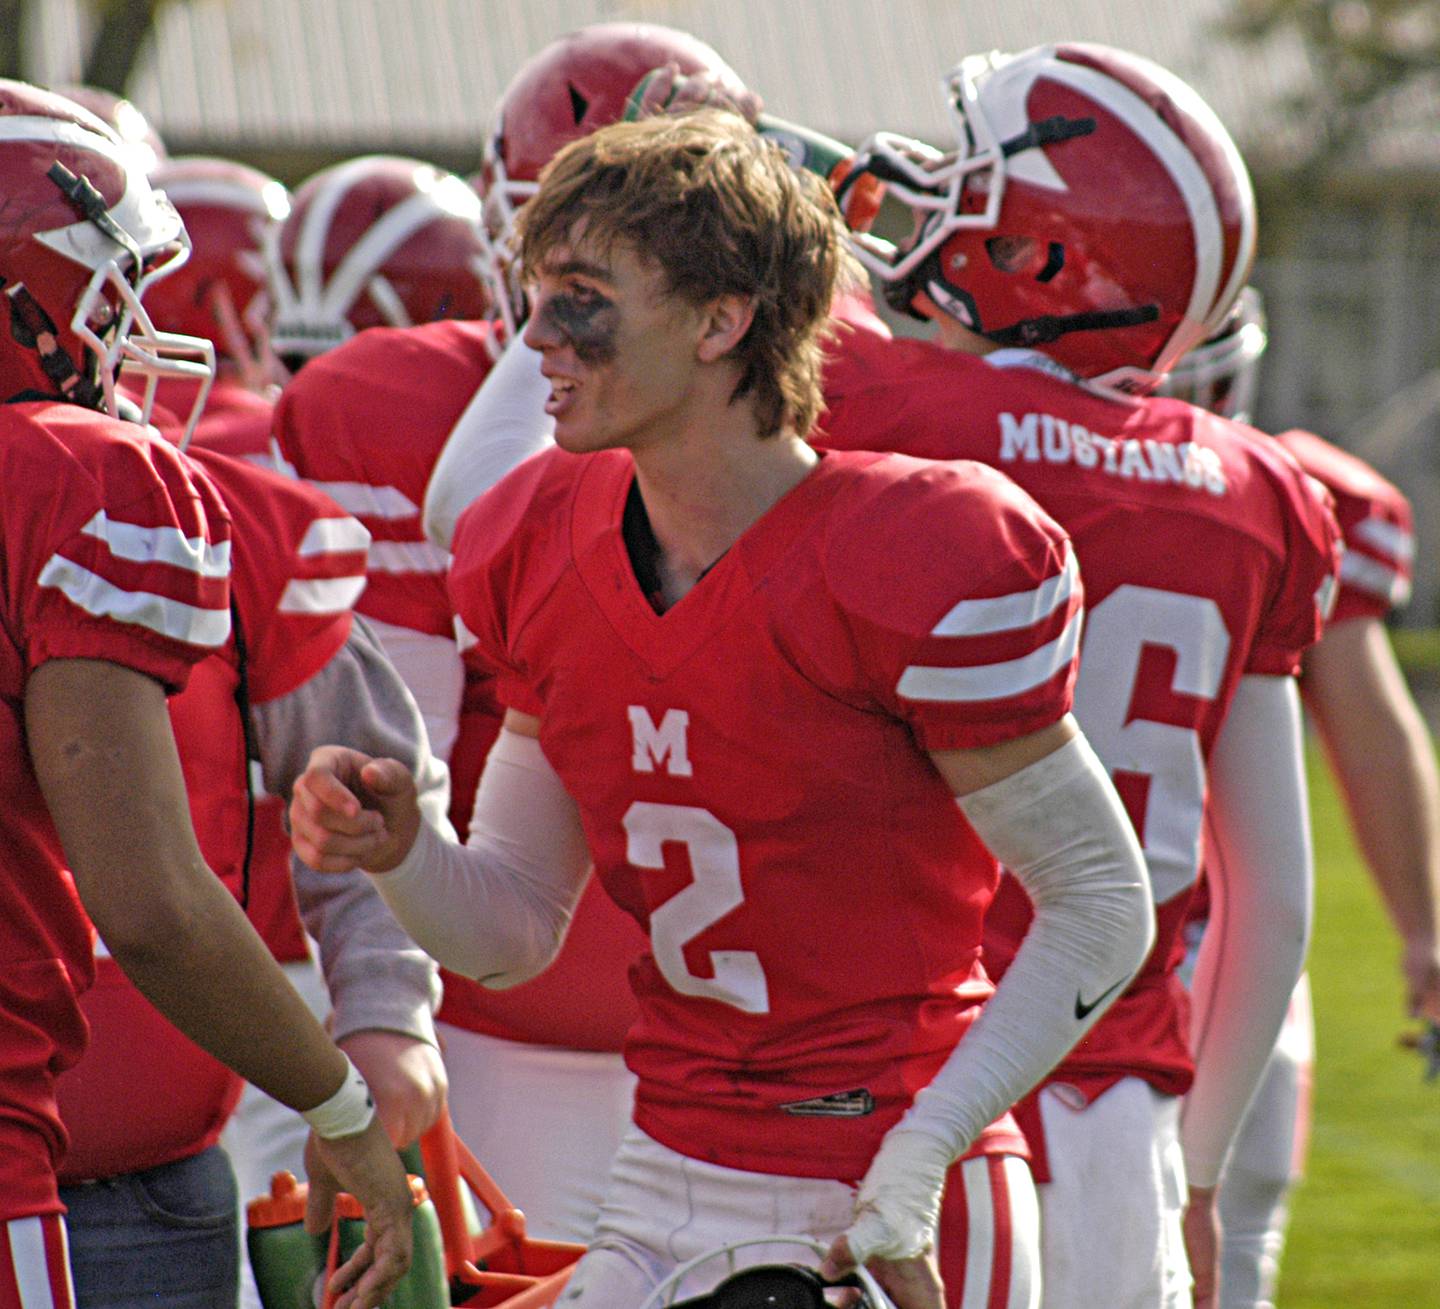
(751,772)
(1204,559)
(1375,520)
(234,422)
(366,422)
(114,549)
(298,565)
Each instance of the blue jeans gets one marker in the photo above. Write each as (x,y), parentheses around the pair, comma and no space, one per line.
(165,1238)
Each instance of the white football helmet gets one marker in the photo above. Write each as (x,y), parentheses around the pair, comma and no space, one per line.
(1222,374)
(761,1286)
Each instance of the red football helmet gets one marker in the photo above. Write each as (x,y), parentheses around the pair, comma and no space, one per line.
(124,119)
(1223,373)
(227,208)
(581,81)
(83,237)
(377,240)
(1095,207)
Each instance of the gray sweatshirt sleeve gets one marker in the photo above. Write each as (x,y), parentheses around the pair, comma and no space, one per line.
(378,978)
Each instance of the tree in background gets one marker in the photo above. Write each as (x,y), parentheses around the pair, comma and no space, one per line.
(121,28)
(1369,57)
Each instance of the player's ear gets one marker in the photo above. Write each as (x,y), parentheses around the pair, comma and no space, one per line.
(723,324)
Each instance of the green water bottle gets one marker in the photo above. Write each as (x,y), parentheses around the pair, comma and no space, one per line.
(289,1263)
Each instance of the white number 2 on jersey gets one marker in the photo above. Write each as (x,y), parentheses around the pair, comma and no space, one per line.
(714,857)
(1116,632)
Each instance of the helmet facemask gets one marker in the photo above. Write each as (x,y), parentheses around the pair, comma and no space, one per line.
(110,318)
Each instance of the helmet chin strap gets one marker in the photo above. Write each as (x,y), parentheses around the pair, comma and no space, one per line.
(929,278)
(1051,327)
(32,328)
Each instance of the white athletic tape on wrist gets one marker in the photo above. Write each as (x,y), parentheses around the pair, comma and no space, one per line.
(346,1113)
(898,1205)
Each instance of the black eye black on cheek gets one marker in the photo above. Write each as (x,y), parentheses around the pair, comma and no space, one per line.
(591,326)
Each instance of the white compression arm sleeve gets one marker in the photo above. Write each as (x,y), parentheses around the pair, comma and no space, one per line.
(1060,828)
(497,909)
(1259,865)
(502,426)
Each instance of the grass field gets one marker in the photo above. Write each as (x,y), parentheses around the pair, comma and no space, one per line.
(1365,1230)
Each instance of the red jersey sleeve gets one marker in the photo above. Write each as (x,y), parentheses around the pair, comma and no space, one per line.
(299,568)
(487,570)
(964,601)
(365,423)
(1304,592)
(123,556)
(1376,570)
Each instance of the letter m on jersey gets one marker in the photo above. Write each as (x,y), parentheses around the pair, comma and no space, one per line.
(664,746)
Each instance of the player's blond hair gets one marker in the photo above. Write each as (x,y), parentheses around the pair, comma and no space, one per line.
(721,211)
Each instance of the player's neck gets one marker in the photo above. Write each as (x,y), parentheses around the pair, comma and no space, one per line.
(952,335)
(702,495)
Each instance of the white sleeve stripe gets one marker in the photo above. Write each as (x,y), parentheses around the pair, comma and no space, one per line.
(321,595)
(173,618)
(334,536)
(980,1233)
(407,557)
(464,637)
(26,1238)
(166,545)
(1004,613)
(1024,1233)
(371,501)
(992,681)
(1366,574)
(1387,538)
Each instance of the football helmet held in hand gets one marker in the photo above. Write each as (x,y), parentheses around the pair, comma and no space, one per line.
(762,1286)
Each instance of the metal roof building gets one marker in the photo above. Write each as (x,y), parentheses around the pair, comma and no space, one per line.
(350,74)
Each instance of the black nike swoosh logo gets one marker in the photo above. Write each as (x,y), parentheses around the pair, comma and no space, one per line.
(1083,1010)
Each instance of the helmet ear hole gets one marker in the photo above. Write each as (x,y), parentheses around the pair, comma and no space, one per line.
(1026,256)
(1014,254)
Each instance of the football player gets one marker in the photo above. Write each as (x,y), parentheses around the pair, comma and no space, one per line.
(300,567)
(296,662)
(540,1092)
(757,726)
(115,587)
(1359,701)
(1207,564)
